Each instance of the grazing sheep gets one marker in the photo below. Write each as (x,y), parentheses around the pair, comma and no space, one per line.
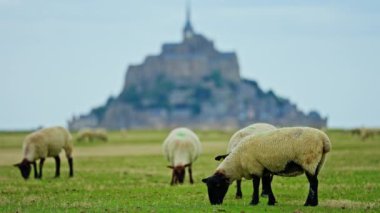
(45,143)
(92,134)
(236,138)
(365,133)
(284,152)
(101,134)
(181,148)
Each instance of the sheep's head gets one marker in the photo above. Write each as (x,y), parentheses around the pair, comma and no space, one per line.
(178,173)
(217,186)
(25,168)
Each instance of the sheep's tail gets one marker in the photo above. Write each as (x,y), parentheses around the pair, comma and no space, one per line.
(326,149)
(69,146)
(326,144)
(321,163)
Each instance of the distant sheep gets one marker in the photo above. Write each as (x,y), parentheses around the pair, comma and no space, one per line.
(181,148)
(45,143)
(365,133)
(285,152)
(236,138)
(92,134)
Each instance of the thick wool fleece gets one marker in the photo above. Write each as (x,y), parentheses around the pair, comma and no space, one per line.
(92,134)
(181,147)
(253,129)
(274,150)
(47,142)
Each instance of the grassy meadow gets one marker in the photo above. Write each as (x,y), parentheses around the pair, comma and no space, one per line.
(128,174)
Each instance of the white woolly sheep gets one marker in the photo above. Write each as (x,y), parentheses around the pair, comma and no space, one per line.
(92,134)
(236,138)
(181,148)
(284,152)
(45,143)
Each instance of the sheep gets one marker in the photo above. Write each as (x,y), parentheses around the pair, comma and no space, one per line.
(252,129)
(365,133)
(181,148)
(45,143)
(92,134)
(288,152)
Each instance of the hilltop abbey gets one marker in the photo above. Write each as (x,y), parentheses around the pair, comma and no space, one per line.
(195,85)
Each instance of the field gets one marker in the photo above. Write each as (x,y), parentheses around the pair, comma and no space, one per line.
(128,174)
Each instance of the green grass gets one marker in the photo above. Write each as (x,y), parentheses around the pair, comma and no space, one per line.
(129,174)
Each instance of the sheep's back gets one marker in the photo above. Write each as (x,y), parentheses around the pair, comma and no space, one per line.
(182,146)
(274,150)
(253,129)
(46,142)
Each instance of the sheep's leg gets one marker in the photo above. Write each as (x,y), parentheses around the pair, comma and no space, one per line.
(267,185)
(35,169)
(239,194)
(265,191)
(57,165)
(312,198)
(255,195)
(41,165)
(191,174)
(71,172)
(173,178)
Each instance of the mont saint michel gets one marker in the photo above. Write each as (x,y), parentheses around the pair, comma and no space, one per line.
(192,84)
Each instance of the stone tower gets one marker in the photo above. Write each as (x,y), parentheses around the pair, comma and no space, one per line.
(188,31)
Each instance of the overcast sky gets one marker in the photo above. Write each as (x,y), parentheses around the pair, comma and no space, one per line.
(62,58)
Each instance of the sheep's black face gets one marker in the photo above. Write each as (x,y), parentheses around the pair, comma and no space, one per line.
(179,173)
(25,168)
(217,186)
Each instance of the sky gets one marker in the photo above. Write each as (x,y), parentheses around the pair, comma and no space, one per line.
(63,58)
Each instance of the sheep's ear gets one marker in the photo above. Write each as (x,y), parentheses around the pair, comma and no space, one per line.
(17,165)
(170,167)
(220,157)
(187,165)
(205,180)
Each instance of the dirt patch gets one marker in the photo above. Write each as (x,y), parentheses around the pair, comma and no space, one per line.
(11,156)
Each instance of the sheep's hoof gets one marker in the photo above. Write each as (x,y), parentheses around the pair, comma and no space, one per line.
(254,202)
(271,203)
(311,203)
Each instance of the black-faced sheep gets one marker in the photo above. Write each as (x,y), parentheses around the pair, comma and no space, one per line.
(236,138)
(45,143)
(285,152)
(181,148)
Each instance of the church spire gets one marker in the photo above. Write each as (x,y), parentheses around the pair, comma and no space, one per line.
(188,12)
(188,31)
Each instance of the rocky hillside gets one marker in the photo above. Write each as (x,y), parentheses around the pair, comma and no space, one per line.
(192,84)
